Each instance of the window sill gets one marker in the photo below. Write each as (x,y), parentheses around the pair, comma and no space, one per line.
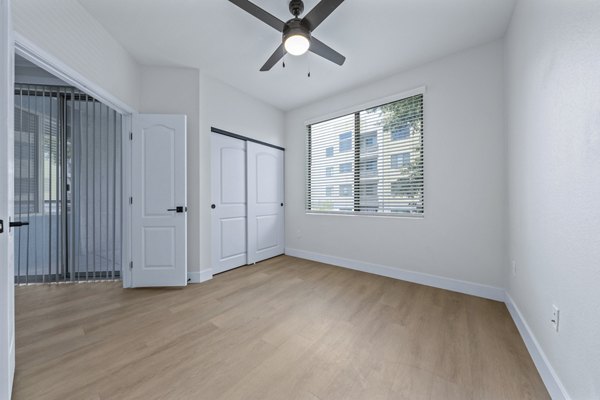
(366,214)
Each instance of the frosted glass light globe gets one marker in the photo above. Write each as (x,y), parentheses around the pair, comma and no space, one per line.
(296,45)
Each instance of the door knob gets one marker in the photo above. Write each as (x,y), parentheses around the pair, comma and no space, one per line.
(213,206)
(178,209)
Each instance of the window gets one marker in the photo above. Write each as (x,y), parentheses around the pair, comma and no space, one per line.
(370,189)
(401,132)
(400,160)
(345,142)
(329,191)
(346,168)
(368,142)
(380,161)
(368,167)
(345,190)
(27,157)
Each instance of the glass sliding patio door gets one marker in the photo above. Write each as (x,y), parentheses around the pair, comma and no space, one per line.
(67,186)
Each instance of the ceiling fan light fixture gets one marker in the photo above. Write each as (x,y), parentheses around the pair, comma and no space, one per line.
(296,37)
(297,44)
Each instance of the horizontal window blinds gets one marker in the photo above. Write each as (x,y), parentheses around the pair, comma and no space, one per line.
(368,162)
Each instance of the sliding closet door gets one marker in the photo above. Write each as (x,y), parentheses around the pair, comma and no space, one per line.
(265,202)
(228,208)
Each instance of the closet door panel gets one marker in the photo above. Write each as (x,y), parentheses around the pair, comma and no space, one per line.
(228,208)
(265,202)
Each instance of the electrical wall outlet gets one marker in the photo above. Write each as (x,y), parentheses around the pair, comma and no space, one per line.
(555,317)
(514,268)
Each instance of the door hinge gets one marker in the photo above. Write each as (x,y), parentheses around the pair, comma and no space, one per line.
(130,264)
(130,135)
(131,200)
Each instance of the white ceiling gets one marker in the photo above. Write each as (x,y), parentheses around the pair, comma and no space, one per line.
(378,38)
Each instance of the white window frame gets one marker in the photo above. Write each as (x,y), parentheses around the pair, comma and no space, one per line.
(422,90)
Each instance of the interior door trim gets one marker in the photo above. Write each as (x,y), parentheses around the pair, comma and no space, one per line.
(32,52)
(247,139)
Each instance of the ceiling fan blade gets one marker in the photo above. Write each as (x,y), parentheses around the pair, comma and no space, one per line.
(275,57)
(320,12)
(259,13)
(320,48)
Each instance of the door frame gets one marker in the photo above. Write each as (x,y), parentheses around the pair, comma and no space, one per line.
(33,53)
(244,138)
(7,324)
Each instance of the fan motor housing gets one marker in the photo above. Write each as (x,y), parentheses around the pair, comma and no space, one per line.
(295,27)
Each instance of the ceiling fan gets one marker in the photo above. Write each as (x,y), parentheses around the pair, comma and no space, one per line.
(297,32)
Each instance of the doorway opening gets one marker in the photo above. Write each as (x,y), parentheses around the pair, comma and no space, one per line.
(67,182)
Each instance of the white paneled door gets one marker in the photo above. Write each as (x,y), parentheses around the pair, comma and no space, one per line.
(7,316)
(228,208)
(158,209)
(265,202)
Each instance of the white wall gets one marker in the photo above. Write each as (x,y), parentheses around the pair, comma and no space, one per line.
(462,234)
(66,31)
(175,91)
(553,74)
(224,107)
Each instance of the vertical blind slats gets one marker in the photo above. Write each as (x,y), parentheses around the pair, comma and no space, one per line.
(67,186)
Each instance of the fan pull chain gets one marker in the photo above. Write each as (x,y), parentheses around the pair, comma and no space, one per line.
(308,58)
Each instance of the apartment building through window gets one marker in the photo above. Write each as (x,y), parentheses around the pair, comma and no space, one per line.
(373,157)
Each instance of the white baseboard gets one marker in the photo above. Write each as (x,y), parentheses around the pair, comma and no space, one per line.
(206,275)
(199,276)
(455,285)
(193,277)
(553,384)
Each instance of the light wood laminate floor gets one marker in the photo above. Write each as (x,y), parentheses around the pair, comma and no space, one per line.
(282,329)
